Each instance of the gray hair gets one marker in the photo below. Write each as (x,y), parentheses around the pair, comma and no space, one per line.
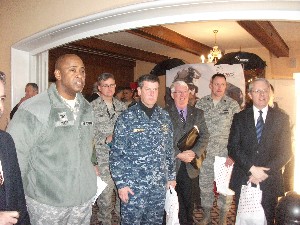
(147,77)
(105,76)
(34,86)
(178,83)
(256,80)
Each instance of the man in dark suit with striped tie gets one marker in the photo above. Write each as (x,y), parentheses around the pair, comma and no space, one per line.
(183,118)
(260,144)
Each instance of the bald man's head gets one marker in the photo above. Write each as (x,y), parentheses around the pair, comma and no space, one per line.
(70,75)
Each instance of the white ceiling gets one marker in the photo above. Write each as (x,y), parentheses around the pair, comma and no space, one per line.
(230,36)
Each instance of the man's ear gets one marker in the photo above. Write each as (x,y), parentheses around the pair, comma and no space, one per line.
(210,85)
(172,95)
(139,91)
(57,75)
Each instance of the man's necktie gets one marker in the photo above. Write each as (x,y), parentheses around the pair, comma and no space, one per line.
(259,126)
(181,116)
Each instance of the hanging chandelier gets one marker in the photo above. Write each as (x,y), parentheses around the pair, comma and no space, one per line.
(215,53)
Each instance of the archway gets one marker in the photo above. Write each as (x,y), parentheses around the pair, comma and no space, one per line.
(29,56)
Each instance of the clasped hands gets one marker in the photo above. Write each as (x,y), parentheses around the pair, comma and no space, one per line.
(186,156)
(258,174)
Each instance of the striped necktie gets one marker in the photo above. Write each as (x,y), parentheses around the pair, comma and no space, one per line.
(259,126)
(182,117)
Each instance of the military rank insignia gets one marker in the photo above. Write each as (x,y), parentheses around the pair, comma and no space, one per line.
(165,128)
(63,120)
(138,130)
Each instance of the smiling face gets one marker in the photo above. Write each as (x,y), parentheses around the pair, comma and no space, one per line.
(260,94)
(180,96)
(70,76)
(148,93)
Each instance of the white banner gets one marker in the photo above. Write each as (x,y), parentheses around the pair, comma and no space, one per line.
(198,77)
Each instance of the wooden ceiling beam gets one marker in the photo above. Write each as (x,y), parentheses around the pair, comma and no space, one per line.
(119,50)
(267,35)
(172,39)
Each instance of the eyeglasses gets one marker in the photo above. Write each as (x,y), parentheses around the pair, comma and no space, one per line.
(180,92)
(108,85)
(260,91)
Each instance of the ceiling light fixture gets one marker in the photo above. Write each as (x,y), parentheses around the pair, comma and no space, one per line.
(215,53)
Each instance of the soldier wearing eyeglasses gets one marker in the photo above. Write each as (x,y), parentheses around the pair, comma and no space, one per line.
(106,111)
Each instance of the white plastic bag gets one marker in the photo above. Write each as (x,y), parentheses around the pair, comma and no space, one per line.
(250,210)
(172,207)
(101,185)
(222,176)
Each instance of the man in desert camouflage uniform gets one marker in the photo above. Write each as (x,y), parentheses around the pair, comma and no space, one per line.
(142,157)
(218,112)
(106,111)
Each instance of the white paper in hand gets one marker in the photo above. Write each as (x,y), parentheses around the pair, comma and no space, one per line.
(172,207)
(222,176)
(101,185)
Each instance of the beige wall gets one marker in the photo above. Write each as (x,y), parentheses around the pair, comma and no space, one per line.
(21,19)
(284,67)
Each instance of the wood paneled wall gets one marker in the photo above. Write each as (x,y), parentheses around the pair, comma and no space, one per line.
(95,64)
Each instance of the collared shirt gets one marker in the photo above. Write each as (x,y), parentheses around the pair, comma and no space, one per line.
(184,112)
(256,113)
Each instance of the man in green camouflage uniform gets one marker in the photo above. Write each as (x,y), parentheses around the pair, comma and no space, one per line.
(106,110)
(218,112)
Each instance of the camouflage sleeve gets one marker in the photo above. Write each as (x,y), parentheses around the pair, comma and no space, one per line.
(199,104)
(99,137)
(236,107)
(170,158)
(118,149)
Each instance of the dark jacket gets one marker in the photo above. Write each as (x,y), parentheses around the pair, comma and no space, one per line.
(194,117)
(11,192)
(273,151)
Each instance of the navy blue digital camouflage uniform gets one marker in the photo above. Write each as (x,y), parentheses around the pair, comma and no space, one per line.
(142,158)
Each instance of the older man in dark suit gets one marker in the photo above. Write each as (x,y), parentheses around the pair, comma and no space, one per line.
(184,117)
(260,144)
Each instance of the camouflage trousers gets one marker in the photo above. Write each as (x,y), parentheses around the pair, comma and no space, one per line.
(107,203)
(42,214)
(145,207)
(206,183)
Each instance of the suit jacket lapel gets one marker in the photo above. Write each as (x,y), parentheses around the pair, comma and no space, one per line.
(190,116)
(176,117)
(251,124)
(267,130)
